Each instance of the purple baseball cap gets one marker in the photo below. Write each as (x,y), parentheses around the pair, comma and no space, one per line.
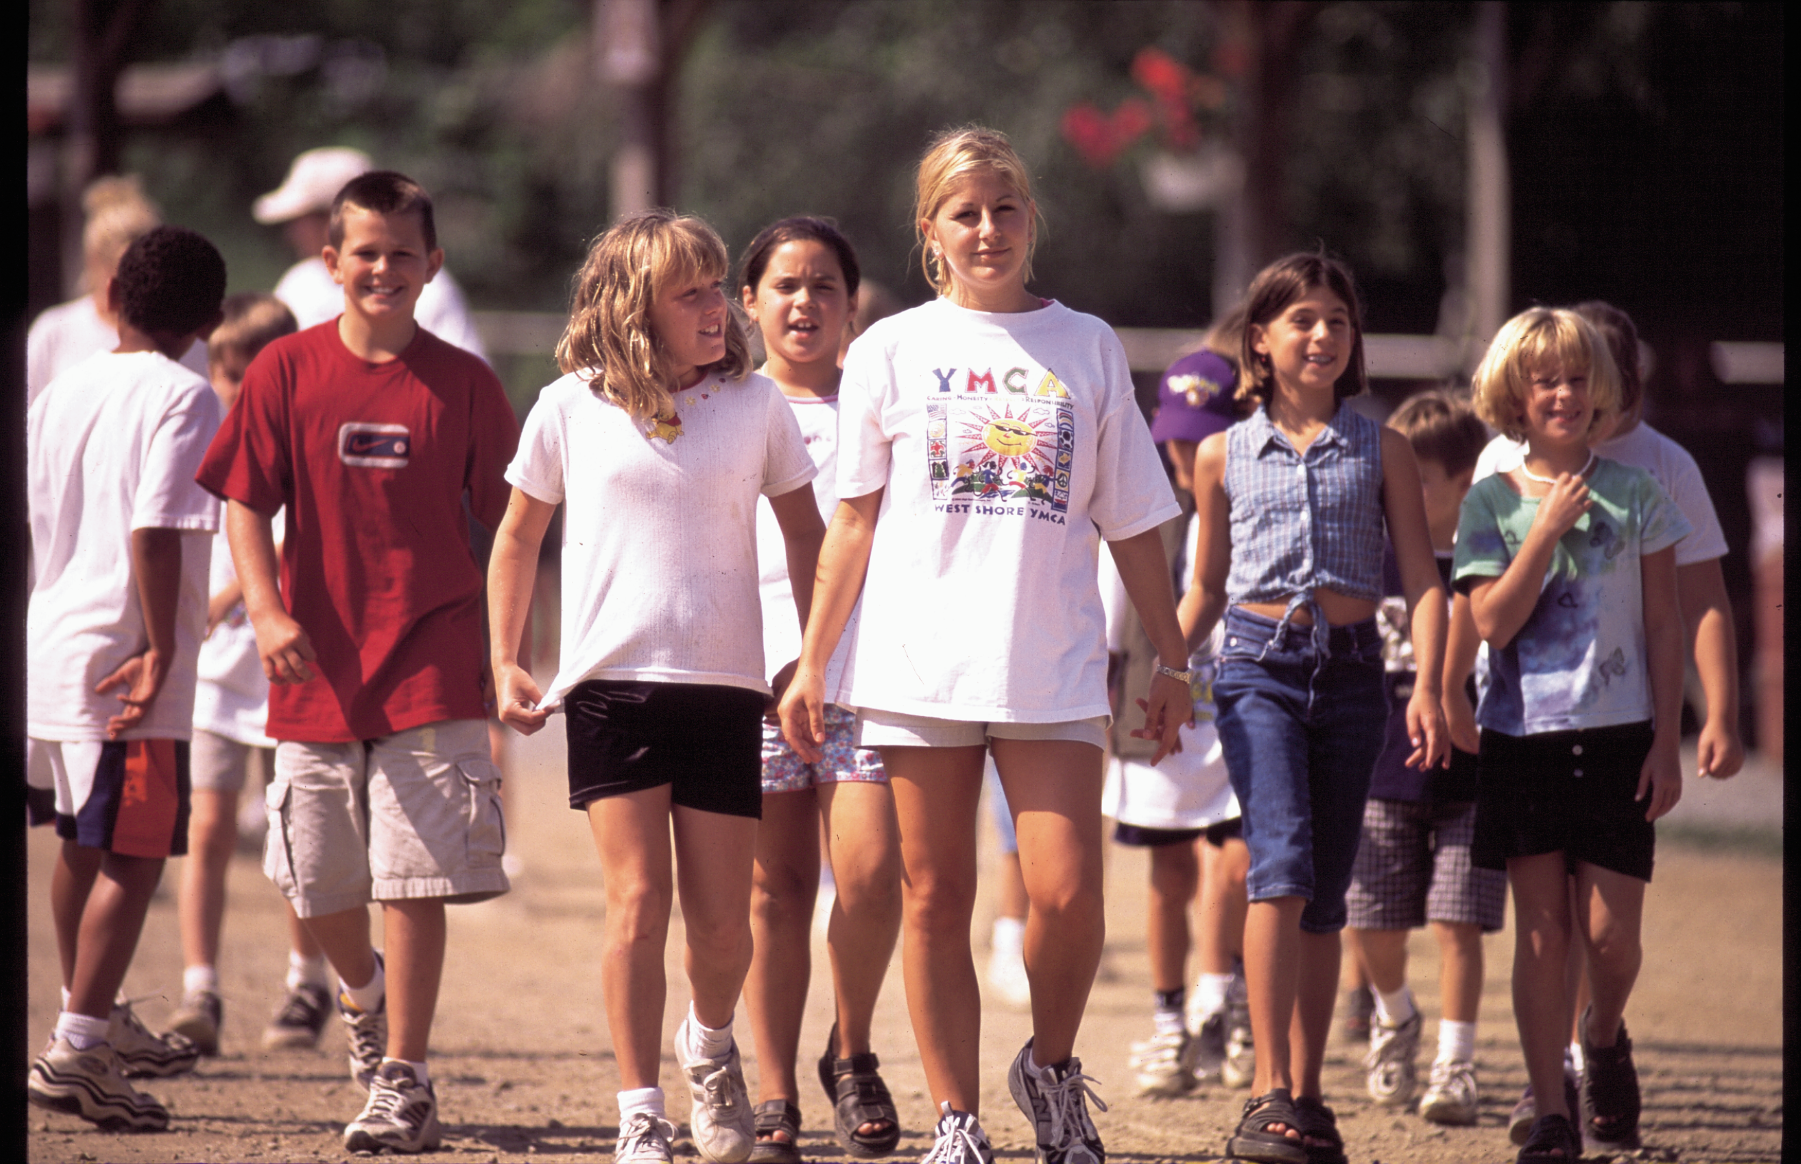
(1194,398)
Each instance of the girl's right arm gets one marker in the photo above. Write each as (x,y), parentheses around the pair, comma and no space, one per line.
(1205,599)
(1460,659)
(843,560)
(511,567)
(1502,605)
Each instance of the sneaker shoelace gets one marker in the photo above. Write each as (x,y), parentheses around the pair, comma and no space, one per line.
(640,1127)
(386,1101)
(956,1140)
(717,1087)
(1064,1099)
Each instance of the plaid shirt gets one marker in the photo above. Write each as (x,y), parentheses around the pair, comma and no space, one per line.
(1301,521)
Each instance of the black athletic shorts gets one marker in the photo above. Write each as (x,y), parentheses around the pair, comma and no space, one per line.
(1570,792)
(704,740)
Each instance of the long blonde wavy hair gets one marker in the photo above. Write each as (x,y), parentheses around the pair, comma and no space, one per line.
(609,340)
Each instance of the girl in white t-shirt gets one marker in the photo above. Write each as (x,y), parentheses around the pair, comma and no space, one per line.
(987,442)
(659,441)
(799,283)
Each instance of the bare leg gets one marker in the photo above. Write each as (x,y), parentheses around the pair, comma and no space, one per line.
(1054,790)
(1610,913)
(1010,888)
(631,833)
(111,919)
(71,881)
(935,796)
(212,838)
(1223,905)
(344,939)
(414,957)
(1383,954)
(714,854)
(784,884)
(865,854)
(1175,877)
(1272,955)
(1541,903)
(1460,969)
(301,940)
(1316,990)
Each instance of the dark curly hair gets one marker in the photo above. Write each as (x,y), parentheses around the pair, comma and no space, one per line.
(170,281)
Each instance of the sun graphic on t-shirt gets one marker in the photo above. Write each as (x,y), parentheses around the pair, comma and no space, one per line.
(1008,442)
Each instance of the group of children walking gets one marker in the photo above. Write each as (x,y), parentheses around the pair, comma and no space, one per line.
(803,606)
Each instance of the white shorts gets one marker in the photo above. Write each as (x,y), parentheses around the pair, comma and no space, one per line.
(409,816)
(897,729)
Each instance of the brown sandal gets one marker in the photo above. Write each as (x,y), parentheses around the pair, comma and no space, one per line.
(858,1096)
(773,1117)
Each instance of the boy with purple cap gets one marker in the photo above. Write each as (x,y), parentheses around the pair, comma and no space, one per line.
(1183,809)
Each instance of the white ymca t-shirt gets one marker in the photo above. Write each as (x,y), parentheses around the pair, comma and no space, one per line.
(1669,464)
(818,420)
(64,335)
(232,696)
(308,290)
(659,535)
(1008,446)
(112,445)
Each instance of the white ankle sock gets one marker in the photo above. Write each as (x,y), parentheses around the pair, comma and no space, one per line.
(1009,935)
(645,1099)
(1395,1009)
(703,1041)
(83,1031)
(1210,992)
(305,971)
(419,1071)
(368,996)
(197,978)
(1456,1042)
(1572,1057)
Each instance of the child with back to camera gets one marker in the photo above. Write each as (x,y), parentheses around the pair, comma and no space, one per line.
(799,286)
(1413,866)
(659,439)
(1292,503)
(370,431)
(1569,564)
(119,534)
(988,441)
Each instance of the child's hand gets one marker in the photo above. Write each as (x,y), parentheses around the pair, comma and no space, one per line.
(1171,704)
(772,710)
(802,712)
(516,698)
(284,648)
(1426,730)
(1564,505)
(1718,752)
(1460,720)
(142,677)
(1660,780)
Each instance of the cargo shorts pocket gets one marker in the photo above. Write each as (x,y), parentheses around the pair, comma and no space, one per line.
(487,830)
(278,842)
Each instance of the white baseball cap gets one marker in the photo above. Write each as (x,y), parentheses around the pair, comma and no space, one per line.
(312,182)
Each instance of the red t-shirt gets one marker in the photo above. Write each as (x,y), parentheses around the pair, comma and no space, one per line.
(372,462)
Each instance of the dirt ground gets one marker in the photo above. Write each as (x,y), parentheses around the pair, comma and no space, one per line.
(524,1068)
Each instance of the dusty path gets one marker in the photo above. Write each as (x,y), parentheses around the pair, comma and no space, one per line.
(525,1072)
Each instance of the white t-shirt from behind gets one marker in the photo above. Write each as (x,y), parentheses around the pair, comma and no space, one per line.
(1669,464)
(1007,446)
(308,290)
(112,445)
(64,335)
(818,420)
(659,537)
(232,696)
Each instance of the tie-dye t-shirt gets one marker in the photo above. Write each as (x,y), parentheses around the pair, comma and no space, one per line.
(1579,660)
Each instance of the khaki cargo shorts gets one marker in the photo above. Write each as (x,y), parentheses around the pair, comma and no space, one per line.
(408,816)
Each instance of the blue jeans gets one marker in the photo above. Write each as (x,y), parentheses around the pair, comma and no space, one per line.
(1302,716)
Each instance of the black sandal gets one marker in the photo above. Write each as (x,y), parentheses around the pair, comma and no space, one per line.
(1553,1140)
(1254,1142)
(858,1096)
(1610,1095)
(772,1117)
(1316,1121)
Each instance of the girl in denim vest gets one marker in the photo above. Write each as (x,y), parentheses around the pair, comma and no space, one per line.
(1292,502)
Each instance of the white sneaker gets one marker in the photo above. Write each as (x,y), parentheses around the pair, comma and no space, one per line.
(89,1084)
(721,1120)
(1160,1064)
(1393,1075)
(958,1139)
(644,1139)
(401,1114)
(142,1052)
(1057,1109)
(367,1034)
(1451,1096)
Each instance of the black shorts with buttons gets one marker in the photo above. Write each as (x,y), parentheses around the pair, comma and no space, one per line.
(1570,792)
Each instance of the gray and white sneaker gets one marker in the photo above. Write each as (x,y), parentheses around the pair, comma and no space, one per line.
(958,1139)
(1207,1048)
(300,1019)
(400,1115)
(721,1120)
(1057,1109)
(141,1052)
(1393,1074)
(1240,1064)
(198,1019)
(1160,1064)
(644,1139)
(89,1084)
(1451,1096)
(367,1033)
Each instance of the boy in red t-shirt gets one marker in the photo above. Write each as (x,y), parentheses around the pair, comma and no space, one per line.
(371,430)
